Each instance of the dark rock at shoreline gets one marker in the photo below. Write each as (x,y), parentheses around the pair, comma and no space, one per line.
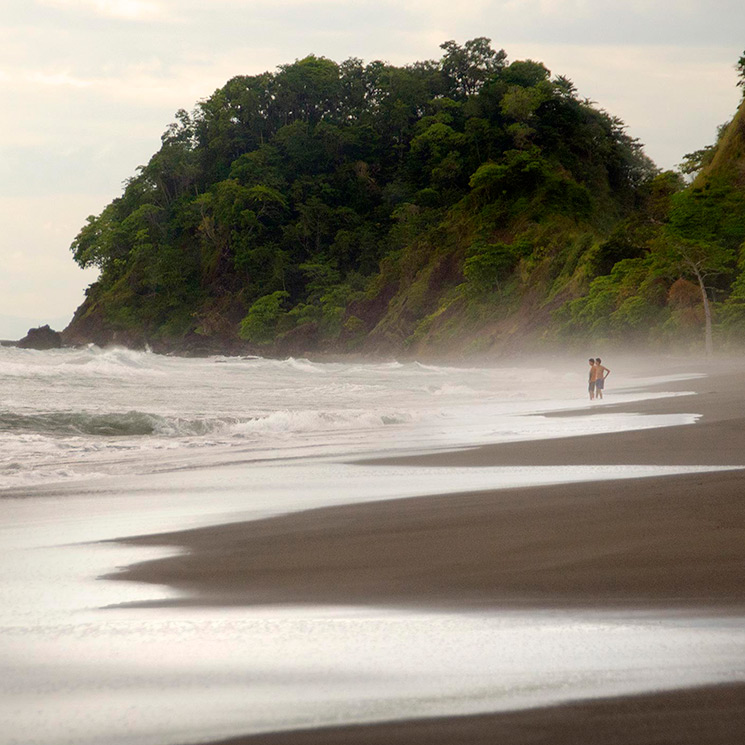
(298,341)
(42,337)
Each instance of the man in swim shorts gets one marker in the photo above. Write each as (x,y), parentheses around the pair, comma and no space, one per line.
(591,382)
(601,373)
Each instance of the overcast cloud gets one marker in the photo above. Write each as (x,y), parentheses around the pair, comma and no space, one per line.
(88,86)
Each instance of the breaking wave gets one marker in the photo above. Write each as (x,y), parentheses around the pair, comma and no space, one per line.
(139,424)
(319,421)
(89,362)
(119,411)
(127,424)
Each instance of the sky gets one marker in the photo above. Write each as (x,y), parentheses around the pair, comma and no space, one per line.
(88,87)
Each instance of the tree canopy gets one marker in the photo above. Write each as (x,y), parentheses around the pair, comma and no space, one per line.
(319,194)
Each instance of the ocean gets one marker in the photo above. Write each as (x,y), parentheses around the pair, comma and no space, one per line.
(98,444)
(84,414)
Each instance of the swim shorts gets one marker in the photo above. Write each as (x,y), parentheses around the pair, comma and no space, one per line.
(599,384)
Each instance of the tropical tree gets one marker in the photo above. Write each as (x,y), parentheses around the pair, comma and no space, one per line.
(260,323)
(700,261)
(468,67)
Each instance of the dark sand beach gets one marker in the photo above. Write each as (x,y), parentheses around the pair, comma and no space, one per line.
(702,716)
(673,542)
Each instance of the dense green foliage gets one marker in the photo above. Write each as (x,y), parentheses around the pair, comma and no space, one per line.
(347,204)
(677,259)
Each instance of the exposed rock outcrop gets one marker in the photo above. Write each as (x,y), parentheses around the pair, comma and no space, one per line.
(42,337)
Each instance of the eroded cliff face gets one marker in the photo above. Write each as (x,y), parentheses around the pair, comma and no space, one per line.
(93,329)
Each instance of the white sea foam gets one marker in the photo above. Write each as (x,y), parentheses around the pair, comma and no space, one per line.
(175,676)
(69,413)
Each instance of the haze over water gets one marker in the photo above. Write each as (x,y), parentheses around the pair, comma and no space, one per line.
(101,444)
(84,413)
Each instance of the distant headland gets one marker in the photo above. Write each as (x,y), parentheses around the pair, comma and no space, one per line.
(469,204)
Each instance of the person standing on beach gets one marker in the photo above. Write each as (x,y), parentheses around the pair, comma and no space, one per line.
(601,373)
(591,382)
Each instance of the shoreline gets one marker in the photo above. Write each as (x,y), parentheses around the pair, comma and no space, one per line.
(710,715)
(643,543)
(669,542)
(665,539)
(673,358)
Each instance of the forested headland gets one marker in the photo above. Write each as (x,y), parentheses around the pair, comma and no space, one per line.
(463,205)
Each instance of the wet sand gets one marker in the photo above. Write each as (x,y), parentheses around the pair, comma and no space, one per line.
(675,542)
(717,439)
(701,716)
